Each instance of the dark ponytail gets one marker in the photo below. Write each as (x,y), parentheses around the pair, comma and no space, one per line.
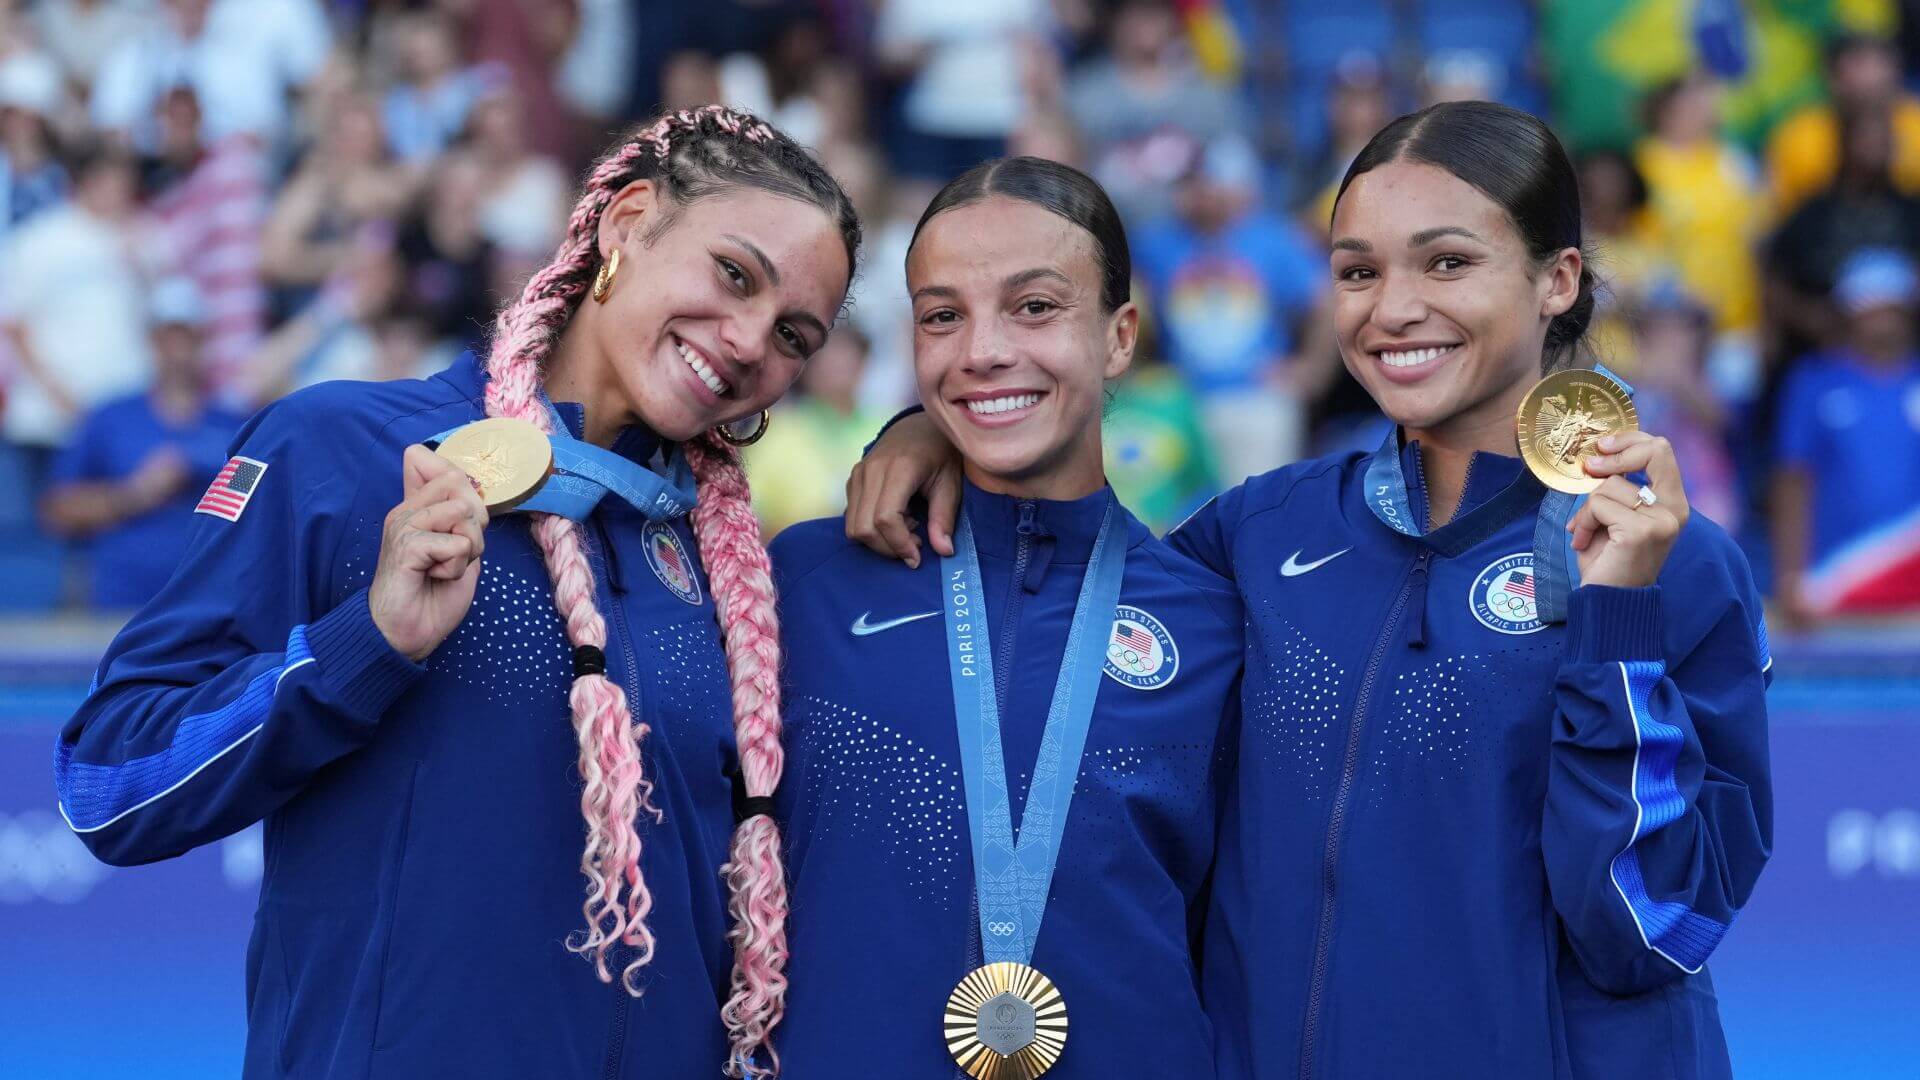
(1515,160)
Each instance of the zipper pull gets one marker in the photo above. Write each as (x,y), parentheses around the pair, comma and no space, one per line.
(1037,565)
(1038,542)
(1417,621)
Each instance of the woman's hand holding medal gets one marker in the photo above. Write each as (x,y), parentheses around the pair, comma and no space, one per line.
(429,555)
(1624,530)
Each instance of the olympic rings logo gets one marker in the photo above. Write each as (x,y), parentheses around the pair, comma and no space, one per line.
(1519,608)
(1140,652)
(1503,598)
(1001,929)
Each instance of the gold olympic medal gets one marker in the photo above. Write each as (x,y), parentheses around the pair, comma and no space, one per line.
(509,459)
(1562,419)
(1006,1021)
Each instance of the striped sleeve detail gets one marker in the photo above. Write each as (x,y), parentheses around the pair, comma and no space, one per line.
(93,797)
(1673,930)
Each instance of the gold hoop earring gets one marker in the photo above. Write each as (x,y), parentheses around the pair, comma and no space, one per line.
(603,281)
(727,435)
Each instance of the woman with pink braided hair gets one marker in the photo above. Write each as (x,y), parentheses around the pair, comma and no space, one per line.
(424,727)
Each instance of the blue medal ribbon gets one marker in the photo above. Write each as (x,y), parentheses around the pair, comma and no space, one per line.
(1555,562)
(583,474)
(1556,565)
(1012,879)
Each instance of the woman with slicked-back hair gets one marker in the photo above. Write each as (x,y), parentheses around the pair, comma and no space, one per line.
(1001,841)
(516,768)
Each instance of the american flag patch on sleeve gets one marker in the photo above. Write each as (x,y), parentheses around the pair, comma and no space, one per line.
(229,493)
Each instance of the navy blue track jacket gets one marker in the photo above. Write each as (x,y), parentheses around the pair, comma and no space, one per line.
(423,828)
(1463,843)
(883,921)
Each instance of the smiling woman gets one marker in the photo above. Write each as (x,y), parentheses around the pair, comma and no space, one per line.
(1022,315)
(1061,643)
(1430,269)
(450,748)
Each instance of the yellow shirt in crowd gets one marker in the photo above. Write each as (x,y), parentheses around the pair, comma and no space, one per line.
(799,471)
(1706,210)
(1803,155)
(1629,263)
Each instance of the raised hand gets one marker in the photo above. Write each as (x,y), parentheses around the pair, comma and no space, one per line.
(1620,538)
(429,555)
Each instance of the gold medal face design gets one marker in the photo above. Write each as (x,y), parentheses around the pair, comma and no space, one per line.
(1006,1021)
(508,458)
(1561,420)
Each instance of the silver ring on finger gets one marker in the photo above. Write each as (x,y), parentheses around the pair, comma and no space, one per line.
(1646,497)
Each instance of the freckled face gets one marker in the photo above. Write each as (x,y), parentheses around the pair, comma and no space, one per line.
(1012,345)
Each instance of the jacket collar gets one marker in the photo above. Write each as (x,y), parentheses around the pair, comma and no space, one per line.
(1499,488)
(1072,525)
(1487,476)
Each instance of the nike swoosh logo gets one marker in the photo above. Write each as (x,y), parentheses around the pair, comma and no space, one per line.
(1293,567)
(861,627)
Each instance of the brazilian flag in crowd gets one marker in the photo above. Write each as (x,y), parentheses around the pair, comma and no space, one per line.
(1603,56)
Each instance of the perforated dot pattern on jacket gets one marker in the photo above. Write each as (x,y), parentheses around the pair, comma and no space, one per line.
(1124,790)
(1457,717)
(689,672)
(865,779)
(1295,709)
(512,644)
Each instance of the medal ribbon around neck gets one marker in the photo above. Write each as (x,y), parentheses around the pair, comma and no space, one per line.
(1012,879)
(1555,565)
(583,474)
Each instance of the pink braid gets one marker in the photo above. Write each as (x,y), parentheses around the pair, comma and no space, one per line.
(737,566)
(614,787)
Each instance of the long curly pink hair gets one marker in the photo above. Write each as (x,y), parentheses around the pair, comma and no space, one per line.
(690,155)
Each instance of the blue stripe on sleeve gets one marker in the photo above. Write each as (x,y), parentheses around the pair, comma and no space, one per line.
(93,797)
(1671,929)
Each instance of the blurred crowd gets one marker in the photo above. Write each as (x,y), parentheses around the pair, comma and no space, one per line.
(205,204)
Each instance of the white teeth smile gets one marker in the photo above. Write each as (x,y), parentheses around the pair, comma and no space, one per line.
(1010,403)
(714,382)
(1413,357)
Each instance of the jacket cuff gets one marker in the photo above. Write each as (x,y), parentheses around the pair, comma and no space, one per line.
(356,664)
(1606,624)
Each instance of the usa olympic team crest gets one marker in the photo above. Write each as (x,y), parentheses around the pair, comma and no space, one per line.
(1502,597)
(670,561)
(1140,651)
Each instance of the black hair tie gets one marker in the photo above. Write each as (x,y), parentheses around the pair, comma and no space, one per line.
(748,806)
(753,806)
(588,660)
